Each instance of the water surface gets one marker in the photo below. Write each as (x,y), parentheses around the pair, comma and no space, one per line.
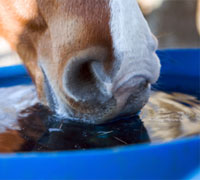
(26,125)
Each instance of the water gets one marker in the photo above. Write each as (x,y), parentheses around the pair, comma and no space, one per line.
(167,116)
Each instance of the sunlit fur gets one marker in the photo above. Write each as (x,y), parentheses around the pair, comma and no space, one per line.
(90,60)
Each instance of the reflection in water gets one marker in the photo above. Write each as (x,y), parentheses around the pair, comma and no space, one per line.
(12,101)
(44,131)
(165,117)
(169,116)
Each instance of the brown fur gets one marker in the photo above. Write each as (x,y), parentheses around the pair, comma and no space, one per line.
(37,27)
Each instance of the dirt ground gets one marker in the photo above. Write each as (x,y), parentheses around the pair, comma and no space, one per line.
(173,24)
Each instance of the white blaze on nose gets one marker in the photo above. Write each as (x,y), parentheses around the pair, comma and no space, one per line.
(133,42)
(128,25)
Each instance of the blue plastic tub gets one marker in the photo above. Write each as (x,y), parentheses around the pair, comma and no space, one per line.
(179,159)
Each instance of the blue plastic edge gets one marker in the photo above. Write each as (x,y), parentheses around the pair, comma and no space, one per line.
(180,71)
(174,160)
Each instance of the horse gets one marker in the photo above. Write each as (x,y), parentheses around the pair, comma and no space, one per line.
(90,61)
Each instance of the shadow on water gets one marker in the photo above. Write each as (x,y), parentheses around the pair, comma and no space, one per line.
(43,131)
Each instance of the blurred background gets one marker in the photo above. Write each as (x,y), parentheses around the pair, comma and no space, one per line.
(174,23)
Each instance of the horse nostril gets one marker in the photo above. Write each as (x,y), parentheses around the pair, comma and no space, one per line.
(84,75)
(80,82)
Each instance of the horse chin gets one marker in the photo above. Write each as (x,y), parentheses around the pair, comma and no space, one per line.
(107,112)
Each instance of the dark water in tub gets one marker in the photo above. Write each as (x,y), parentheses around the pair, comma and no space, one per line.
(25,125)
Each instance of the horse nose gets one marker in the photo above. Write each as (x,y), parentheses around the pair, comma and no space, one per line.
(85,80)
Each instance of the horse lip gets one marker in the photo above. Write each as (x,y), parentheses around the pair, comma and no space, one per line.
(134,82)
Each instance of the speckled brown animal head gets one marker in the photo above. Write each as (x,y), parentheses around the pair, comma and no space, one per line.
(91,60)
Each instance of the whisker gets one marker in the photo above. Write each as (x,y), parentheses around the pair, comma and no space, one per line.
(120,140)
